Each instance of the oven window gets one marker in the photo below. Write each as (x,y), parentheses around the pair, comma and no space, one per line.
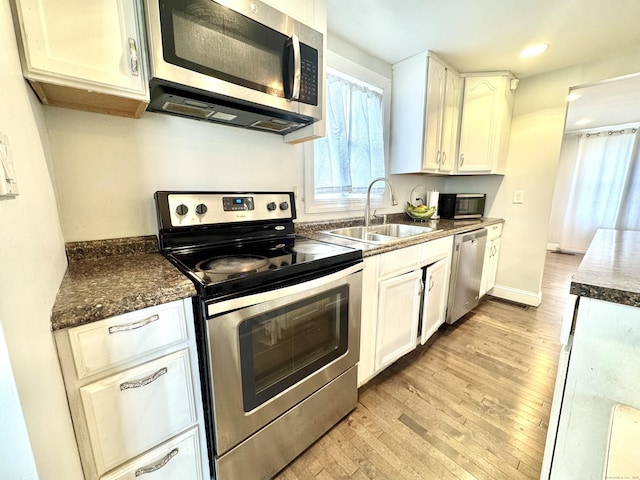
(206,37)
(283,346)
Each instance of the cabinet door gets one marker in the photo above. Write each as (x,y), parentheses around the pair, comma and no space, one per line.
(450,121)
(434,307)
(398,316)
(434,114)
(490,266)
(95,42)
(493,264)
(480,123)
(408,93)
(368,323)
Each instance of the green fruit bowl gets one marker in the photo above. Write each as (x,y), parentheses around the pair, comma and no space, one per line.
(418,213)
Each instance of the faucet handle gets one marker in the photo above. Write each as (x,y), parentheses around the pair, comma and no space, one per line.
(384,216)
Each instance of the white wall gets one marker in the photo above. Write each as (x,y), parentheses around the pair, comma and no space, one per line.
(536,138)
(32,263)
(16,456)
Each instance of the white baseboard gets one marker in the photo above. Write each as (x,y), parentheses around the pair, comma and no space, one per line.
(553,247)
(520,296)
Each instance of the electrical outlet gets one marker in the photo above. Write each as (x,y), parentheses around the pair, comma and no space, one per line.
(8,183)
(518,196)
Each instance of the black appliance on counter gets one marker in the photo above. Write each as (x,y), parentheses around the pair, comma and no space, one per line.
(458,206)
(277,319)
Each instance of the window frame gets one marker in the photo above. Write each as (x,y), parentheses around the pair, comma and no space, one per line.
(352,205)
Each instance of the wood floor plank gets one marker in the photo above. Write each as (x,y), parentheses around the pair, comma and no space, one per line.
(471,404)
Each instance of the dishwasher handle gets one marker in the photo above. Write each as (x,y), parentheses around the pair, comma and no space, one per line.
(471,236)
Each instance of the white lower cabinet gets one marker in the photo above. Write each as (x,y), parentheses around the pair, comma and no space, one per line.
(491,255)
(434,305)
(393,304)
(398,316)
(136,404)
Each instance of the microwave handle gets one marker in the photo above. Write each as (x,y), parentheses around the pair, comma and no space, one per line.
(293,90)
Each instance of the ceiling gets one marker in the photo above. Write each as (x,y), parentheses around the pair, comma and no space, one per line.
(488,35)
(605,104)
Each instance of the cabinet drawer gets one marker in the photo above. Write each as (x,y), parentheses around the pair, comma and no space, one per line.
(400,261)
(131,412)
(179,458)
(494,231)
(434,250)
(114,341)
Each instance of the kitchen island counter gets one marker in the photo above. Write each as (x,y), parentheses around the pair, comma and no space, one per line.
(111,277)
(603,364)
(609,270)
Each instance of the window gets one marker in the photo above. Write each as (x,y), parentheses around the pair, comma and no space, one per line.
(341,165)
(598,186)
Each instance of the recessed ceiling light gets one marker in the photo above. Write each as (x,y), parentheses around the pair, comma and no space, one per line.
(534,50)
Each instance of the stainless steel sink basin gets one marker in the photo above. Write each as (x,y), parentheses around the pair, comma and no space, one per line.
(379,234)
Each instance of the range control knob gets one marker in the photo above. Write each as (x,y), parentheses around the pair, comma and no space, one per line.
(284,206)
(201,209)
(271,206)
(182,209)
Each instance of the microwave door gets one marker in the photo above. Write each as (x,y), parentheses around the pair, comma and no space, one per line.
(218,49)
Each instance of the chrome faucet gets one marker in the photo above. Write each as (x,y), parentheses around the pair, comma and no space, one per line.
(367,205)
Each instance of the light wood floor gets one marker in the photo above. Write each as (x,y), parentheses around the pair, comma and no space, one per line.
(473,403)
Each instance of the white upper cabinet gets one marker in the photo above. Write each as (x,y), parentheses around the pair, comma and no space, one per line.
(486,123)
(84,55)
(425,109)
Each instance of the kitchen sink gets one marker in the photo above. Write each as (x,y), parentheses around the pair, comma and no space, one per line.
(380,234)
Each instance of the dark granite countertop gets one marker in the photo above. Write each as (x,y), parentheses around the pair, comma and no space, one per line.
(442,228)
(111,277)
(610,269)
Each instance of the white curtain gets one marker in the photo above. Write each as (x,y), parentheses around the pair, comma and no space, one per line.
(352,153)
(604,189)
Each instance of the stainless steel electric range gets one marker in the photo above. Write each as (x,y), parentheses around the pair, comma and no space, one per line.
(277,323)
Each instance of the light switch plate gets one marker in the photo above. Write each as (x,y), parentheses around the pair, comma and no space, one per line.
(518,196)
(8,182)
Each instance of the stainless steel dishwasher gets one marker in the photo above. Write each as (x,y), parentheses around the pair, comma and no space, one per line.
(466,272)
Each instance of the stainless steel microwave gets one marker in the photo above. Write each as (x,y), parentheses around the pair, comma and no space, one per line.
(457,206)
(236,62)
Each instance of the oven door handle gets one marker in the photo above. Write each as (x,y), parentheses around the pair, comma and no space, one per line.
(216,308)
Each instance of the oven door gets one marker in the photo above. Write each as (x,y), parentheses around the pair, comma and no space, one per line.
(271,350)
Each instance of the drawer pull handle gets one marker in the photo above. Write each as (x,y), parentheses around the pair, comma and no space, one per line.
(134,325)
(144,381)
(159,465)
